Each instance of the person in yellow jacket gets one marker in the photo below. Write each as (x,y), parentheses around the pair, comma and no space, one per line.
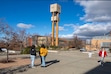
(43,54)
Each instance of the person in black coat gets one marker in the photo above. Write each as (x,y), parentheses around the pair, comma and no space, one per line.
(32,55)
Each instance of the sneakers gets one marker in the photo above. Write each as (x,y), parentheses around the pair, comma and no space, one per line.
(99,61)
(102,63)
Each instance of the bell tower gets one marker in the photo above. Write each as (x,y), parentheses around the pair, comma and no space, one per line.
(55,9)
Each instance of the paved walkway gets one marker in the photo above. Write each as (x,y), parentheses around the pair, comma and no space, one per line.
(72,62)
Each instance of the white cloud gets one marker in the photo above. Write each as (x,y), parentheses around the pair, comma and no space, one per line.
(74,26)
(22,25)
(89,30)
(93,29)
(96,11)
(71,25)
(61,28)
(66,36)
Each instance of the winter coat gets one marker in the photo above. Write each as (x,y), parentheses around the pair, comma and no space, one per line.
(33,52)
(100,53)
(43,51)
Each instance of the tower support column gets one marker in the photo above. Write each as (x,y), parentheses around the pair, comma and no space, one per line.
(53,29)
(57,28)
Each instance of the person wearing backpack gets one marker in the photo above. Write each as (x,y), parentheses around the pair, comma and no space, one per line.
(43,54)
(32,55)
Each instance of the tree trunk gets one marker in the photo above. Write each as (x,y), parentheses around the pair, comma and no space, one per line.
(7,53)
(7,56)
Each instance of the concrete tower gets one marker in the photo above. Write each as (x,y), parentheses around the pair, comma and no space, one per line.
(55,9)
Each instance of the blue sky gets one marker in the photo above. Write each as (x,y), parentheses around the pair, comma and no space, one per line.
(84,18)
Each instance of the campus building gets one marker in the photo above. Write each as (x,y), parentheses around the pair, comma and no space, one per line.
(46,40)
(38,40)
(99,41)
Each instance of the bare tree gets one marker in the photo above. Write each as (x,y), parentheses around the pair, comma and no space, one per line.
(6,33)
(10,37)
(21,37)
(77,43)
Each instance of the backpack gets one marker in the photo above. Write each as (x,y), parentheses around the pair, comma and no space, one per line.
(33,52)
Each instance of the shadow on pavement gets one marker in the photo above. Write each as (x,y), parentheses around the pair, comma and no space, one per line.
(105,69)
(48,63)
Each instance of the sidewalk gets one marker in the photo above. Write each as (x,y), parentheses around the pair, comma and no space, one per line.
(71,62)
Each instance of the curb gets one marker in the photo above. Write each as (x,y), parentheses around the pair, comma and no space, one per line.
(14,70)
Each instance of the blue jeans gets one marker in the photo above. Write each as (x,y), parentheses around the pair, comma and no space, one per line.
(102,60)
(32,60)
(43,61)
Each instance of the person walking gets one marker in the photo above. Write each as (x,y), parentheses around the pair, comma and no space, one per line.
(43,54)
(102,54)
(32,55)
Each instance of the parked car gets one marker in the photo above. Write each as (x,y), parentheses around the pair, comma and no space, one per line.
(82,49)
(1,50)
(5,50)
